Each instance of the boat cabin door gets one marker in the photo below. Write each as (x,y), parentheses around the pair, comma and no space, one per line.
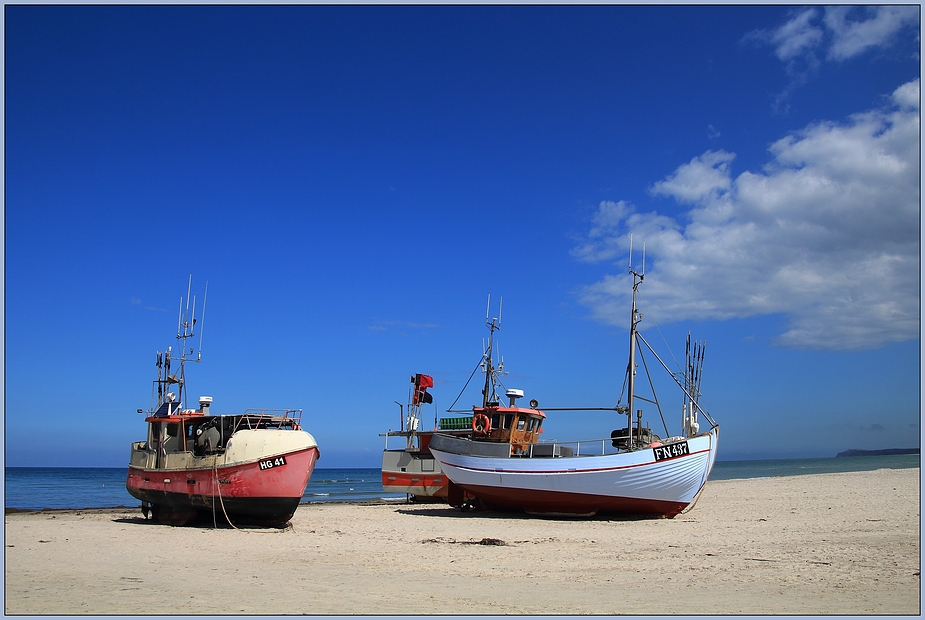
(164,437)
(157,434)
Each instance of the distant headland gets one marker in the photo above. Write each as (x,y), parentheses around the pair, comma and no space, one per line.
(887,452)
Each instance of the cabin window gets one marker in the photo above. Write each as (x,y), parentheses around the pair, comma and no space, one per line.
(521,423)
(507,420)
(495,419)
(173,430)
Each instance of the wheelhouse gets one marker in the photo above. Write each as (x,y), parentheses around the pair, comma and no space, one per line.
(514,425)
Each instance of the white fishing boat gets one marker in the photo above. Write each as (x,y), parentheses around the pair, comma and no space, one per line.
(502,464)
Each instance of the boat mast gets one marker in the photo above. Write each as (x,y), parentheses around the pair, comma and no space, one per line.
(490,392)
(635,318)
(414,414)
(418,396)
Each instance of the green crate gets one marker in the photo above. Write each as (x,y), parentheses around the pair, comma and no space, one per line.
(455,424)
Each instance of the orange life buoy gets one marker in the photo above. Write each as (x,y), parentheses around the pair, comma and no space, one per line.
(481,424)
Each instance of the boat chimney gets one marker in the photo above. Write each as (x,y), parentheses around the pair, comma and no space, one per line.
(204,403)
(514,395)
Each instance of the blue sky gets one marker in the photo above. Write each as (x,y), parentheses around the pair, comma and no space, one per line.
(353,182)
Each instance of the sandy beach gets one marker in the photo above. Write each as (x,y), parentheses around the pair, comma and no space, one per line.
(844,543)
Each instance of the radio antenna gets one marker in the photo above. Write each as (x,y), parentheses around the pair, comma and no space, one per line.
(642,272)
(202,320)
(189,288)
(193,325)
(631,252)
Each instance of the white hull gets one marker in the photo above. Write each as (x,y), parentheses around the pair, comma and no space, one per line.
(626,482)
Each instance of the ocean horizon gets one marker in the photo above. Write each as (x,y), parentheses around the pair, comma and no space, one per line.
(39,488)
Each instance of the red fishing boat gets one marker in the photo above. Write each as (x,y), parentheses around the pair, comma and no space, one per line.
(243,468)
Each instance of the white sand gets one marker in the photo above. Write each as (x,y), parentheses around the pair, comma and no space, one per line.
(821,544)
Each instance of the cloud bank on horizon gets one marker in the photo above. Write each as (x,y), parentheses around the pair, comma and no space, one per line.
(826,234)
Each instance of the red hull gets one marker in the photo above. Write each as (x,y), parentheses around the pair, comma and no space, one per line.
(243,490)
(553,502)
(420,484)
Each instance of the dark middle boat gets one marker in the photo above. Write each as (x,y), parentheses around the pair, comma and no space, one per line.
(407,464)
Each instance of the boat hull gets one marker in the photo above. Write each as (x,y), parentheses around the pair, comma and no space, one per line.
(265,490)
(413,472)
(637,483)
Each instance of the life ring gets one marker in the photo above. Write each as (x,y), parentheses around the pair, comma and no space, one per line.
(481,424)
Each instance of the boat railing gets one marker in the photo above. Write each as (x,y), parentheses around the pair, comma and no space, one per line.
(404,435)
(269,418)
(583,447)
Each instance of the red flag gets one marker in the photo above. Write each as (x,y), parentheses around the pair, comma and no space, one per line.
(421,383)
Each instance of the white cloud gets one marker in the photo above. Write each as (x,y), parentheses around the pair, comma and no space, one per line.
(384,325)
(844,31)
(797,36)
(850,38)
(827,234)
(838,34)
(704,178)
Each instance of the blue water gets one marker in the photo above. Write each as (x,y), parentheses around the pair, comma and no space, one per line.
(728,470)
(34,488)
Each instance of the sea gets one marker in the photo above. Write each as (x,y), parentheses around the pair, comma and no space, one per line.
(39,488)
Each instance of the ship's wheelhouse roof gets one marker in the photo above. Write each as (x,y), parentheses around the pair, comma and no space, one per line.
(520,410)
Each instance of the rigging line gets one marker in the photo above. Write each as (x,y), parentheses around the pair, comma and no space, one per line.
(626,376)
(683,389)
(477,366)
(214,484)
(667,346)
(501,383)
(654,395)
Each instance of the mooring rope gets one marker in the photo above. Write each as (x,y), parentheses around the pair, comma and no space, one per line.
(218,488)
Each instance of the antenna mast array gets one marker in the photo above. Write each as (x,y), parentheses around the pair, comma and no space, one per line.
(692,377)
(490,391)
(186,323)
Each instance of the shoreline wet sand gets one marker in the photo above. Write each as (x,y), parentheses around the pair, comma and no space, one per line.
(845,543)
